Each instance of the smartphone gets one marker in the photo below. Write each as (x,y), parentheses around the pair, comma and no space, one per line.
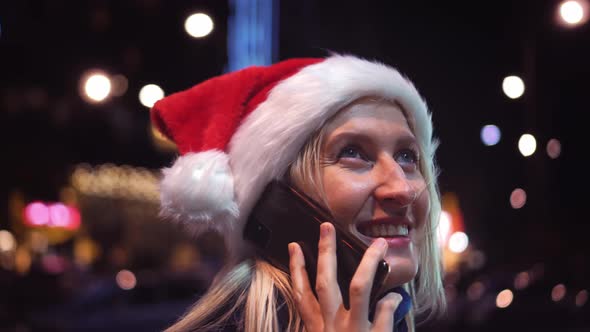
(283,215)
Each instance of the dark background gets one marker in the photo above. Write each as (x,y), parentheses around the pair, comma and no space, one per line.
(456,53)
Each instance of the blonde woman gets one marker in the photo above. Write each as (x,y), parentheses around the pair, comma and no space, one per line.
(354,135)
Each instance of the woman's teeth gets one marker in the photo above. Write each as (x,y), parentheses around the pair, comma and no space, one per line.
(388,230)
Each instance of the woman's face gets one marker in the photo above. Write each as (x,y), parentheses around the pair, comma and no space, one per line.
(373,184)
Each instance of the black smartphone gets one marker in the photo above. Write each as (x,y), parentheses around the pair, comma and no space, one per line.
(283,215)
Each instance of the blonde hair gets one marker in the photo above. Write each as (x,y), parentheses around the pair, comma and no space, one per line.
(251,288)
(247,294)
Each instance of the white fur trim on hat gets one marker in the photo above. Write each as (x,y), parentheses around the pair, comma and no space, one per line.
(198,191)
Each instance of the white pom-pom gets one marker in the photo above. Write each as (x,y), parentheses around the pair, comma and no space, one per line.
(198,190)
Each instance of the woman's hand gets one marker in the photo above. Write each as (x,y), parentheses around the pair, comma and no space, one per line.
(327,312)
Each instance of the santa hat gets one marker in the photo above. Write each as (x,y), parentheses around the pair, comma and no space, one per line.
(237,132)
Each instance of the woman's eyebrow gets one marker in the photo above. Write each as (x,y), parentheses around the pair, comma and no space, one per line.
(362,137)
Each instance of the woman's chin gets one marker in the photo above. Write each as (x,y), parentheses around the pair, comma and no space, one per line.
(401,270)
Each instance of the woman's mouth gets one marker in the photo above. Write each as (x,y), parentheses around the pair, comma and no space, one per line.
(383,229)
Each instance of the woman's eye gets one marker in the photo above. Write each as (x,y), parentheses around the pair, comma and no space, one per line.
(408,156)
(351,152)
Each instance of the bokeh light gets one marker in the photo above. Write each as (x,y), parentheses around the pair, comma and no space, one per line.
(490,135)
(522,280)
(518,198)
(7,241)
(572,12)
(581,298)
(119,85)
(527,145)
(475,291)
(444,228)
(96,87)
(504,298)
(54,263)
(52,215)
(150,94)
(553,148)
(513,87)
(39,242)
(198,25)
(36,214)
(458,242)
(59,215)
(558,292)
(126,279)
(476,259)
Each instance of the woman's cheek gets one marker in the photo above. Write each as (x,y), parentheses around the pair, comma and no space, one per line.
(345,195)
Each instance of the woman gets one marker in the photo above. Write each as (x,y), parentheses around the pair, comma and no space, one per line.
(355,136)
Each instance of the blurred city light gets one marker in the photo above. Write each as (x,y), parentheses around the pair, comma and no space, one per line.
(573,12)
(518,198)
(54,264)
(7,241)
(490,135)
(475,291)
(110,181)
(198,25)
(553,148)
(119,85)
(96,87)
(558,292)
(150,94)
(504,298)
(39,242)
(86,250)
(444,228)
(581,298)
(126,279)
(522,280)
(36,214)
(22,260)
(476,259)
(513,86)
(52,215)
(527,144)
(458,242)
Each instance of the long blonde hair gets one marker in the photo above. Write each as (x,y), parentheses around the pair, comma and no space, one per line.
(249,293)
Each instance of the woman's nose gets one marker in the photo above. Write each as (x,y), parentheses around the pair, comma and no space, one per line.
(394,187)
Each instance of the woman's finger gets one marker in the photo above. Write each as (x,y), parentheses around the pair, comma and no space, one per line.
(305,300)
(326,285)
(362,282)
(384,312)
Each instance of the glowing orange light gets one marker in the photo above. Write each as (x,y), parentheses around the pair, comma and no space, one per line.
(504,298)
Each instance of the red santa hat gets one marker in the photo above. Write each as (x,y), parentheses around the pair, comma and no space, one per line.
(237,132)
